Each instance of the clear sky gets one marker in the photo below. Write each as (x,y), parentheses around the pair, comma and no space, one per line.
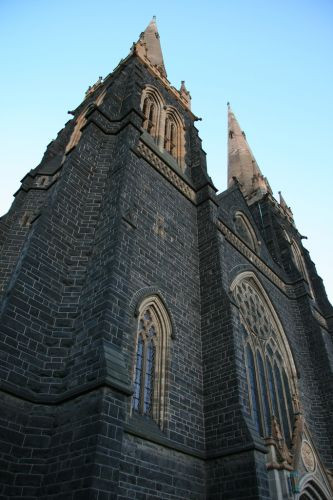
(271,59)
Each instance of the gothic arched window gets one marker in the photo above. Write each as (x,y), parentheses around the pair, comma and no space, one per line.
(170,136)
(150,112)
(164,124)
(173,140)
(152,106)
(245,231)
(150,364)
(269,366)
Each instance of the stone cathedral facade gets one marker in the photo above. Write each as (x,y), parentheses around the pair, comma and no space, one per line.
(158,340)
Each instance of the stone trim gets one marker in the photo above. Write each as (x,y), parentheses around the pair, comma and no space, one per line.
(159,165)
(149,291)
(153,437)
(53,399)
(251,256)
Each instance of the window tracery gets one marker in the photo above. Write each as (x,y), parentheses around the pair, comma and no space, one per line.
(150,113)
(164,124)
(150,363)
(269,366)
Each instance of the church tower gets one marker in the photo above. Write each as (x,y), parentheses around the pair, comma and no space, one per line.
(158,340)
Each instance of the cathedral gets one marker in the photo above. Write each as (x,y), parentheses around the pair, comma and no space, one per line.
(159,340)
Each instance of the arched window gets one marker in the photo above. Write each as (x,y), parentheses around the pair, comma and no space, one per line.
(269,365)
(164,124)
(245,231)
(253,389)
(150,112)
(312,491)
(173,141)
(152,106)
(151,356)
(170,136)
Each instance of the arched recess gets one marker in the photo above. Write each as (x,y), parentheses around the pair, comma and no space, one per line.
(174,142)
(311,490)
(270,368)
(164,124)
(152,348)
(152,105)
(245,230)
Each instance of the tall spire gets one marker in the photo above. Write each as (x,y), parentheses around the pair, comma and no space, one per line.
(149,47)
(285,207)
(242,166)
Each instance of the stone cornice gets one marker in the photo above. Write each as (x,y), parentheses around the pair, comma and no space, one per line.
(161,166)
(158,438)
(251,256)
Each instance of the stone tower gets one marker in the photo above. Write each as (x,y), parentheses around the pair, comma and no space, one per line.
(158,340)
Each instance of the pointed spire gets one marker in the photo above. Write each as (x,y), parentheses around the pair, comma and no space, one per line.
(285,207)
(242,165)
(149,47)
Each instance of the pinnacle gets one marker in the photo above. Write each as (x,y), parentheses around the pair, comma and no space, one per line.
(242,164)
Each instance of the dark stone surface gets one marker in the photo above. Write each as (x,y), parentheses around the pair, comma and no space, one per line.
(71,276)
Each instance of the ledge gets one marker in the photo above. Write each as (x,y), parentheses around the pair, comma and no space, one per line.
(138,428)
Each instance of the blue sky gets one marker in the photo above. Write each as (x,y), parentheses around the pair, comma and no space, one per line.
(271,59)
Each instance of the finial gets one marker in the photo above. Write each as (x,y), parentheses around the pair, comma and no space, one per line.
(154,18)
(228,104)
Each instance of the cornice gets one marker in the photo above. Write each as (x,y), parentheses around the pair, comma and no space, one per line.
(142,150)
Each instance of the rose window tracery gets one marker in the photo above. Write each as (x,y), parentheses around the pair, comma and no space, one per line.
(253,310)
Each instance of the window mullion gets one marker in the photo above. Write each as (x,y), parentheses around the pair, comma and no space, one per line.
(143,374)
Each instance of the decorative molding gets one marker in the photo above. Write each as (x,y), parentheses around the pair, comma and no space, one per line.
(320,318)
(308,457)
(150,291)
(251,256)
(166,171)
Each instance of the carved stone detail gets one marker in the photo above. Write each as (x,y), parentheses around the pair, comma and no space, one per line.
(165,170)
(283,459)
(253,310)
(250,255)
(308,457)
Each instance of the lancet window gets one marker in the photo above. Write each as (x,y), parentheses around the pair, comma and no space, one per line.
(270,370)
(164,124)
(150,364)
(150,113)
(170,136)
